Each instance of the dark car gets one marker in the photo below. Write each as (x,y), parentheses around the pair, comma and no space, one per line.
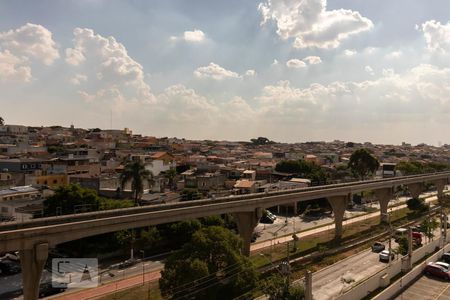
(47,289)
(437,271)
(378,247)
(8,267)
(266,219)
(127,263)
(446,257)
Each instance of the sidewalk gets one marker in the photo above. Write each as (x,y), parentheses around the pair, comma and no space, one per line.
(110,288)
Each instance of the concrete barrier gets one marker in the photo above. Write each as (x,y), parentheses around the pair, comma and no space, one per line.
(379,279)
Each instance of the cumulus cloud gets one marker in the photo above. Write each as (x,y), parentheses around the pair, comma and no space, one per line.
(295,64)
(394,54)
(31,41)
(348,52)
(369,70)
(194,36)
(13,68)
(437,36)
(78,79)
(311,24)
(417,94)
(214,71)
(250,73)
(313,60)
(107,63)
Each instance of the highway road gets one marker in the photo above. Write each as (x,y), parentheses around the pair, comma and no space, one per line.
(332,281)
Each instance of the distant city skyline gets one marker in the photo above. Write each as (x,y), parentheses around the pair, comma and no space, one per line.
(292,71)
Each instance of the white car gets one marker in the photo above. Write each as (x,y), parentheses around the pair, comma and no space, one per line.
(384,255)
(442,264)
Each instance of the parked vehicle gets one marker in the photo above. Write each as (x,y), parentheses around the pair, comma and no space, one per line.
(437,270)
(446,257)
(8,267)
(271,215)
(268,217)
(403,232)
(378,247)
(384,255)
(443,264)
(127,263)
(11,256)
(47,289)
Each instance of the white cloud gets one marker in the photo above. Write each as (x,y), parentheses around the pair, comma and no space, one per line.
(107,63)
(311,24)
(214,71)
(313,60)
(31,41)
(369,70)
(417,94)
(437,36)
(348,52)
(295,64)
(394,54)
(250,73)
(194,36)
(78,79)
(13,68)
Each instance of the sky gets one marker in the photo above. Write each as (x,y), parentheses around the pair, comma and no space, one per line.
(289,70)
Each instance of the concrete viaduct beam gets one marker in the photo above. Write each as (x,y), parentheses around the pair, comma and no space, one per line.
(415,189)
(32,261)
(384,196)
(338,204)
(440,184)
(246,223)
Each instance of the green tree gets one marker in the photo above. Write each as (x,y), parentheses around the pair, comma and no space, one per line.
(363,163)
(188,194)
(261,141)
(136,173)
(67,199)
(402,245)
(275,287)
(417,205)
(170,175)
(428,227)
(149,238)
(210,266)
(2,122)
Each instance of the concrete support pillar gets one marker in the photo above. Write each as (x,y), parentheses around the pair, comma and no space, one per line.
(410,249)
(32,261)
(246,222)
(384,196)
(308,285)
(338,204)
(440,184)
(415,189)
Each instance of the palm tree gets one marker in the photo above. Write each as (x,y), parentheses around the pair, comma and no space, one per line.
(137,174)
(170,175)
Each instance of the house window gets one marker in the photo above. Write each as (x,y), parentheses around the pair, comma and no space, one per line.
(4,209)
